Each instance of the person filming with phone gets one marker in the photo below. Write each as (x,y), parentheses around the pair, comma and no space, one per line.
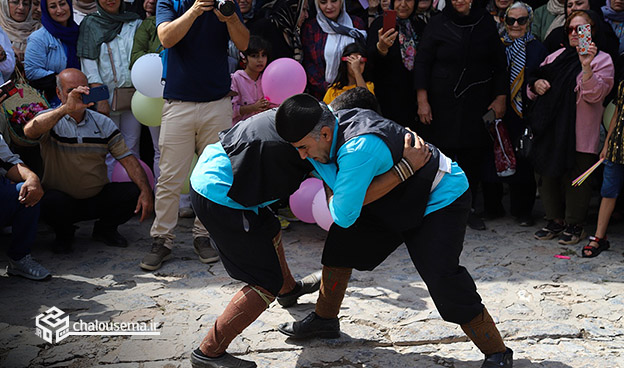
(392,43)
(74,142)
(575,79)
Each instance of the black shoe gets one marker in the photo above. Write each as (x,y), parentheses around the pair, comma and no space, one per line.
(475,222)
(312,326)
(110,237)
(499,360)
(306,285)
(551,230)
(199,360)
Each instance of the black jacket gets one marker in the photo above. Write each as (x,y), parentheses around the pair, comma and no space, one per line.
(462,65)
(394,86)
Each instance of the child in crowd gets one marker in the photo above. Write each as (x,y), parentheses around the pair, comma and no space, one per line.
(613,178)
(350,73)
(247,83)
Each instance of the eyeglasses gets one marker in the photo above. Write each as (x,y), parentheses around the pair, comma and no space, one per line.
(345,58)
(521,21)
(25,4)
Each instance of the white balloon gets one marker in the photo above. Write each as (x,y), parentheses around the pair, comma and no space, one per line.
(146,75)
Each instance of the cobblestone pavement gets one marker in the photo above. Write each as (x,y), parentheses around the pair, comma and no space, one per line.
(553,312)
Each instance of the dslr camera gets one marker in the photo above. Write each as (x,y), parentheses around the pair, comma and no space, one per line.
(226,7)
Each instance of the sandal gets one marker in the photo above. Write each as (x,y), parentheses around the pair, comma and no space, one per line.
(603,244)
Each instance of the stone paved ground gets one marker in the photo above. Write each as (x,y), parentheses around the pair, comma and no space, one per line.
(554,313)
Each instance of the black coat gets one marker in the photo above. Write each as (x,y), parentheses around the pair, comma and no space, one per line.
(463,68)
(394,84)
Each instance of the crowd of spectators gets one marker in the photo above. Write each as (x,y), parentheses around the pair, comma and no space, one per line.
(438,71)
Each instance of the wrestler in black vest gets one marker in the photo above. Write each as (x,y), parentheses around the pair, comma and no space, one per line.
(403,207)
(260,157)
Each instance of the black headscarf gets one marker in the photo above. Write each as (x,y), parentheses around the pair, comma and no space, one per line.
(284,14)
(473,17)
(553,115)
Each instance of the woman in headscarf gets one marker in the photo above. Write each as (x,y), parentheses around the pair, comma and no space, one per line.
(614,15)
(82,8)
(323,38)
(568,89)
(16,21)
(524,55)
(497,9)
(548,17)
(104,47)
(52,48)
(282,27)
(392,63)
(425,10)
(461,74)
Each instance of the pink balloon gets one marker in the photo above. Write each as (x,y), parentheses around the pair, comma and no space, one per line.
(320,210)
(283,78)
(120,175)
(301,200)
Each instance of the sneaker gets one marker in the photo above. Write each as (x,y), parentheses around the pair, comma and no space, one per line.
(312,326)
(186,212)
(307,285)
(206,253)
(551,230)
(155,258)
(28,268)
(499,360)
(572,235)
(287,214)
(284,224)
(199,360)
(110,237)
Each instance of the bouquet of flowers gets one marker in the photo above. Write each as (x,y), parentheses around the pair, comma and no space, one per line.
(23,114)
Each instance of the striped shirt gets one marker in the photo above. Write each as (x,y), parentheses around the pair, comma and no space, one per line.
(74,154)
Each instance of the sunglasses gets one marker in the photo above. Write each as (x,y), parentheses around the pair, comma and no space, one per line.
(362,59)
(521,21)
(572,30)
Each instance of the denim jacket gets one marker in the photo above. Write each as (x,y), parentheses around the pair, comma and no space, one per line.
(45,55)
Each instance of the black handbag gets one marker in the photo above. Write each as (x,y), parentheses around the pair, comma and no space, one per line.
(525,143)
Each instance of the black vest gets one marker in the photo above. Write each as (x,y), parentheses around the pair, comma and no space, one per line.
(265,167)
(404,206)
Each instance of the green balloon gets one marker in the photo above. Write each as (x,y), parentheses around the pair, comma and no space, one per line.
(186,187)
(147,110)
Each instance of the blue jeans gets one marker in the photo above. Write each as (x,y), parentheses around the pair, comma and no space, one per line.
(22,219)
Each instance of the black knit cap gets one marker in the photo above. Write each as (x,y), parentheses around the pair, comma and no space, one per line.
(297,116)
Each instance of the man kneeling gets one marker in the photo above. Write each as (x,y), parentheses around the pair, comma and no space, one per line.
(74,142)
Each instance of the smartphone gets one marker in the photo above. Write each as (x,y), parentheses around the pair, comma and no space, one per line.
(96,94)
(389,20)
(9,89)
(585,39)
(489,116)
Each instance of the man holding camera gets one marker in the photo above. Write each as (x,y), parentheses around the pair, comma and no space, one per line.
(74,143)
(197,107)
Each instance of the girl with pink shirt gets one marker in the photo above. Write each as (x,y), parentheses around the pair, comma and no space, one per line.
(569,90)
(247,83)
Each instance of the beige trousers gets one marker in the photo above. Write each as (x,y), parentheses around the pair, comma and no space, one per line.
(186,129)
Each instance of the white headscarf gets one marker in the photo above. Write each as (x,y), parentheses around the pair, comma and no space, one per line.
(336,42)
(18,32)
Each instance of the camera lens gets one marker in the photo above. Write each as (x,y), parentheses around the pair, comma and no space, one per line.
(226,7)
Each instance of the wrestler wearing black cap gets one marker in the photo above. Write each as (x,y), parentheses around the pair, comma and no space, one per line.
(427,212)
